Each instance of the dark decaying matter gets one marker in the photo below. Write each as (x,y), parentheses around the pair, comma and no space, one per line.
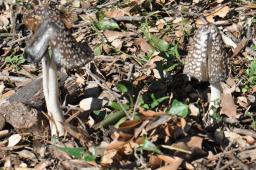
(49,30)
(207,60)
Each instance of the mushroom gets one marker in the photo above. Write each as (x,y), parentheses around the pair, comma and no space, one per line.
(50,35)
(207,61)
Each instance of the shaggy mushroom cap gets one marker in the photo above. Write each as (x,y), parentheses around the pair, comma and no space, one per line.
(206,60)
(66,51)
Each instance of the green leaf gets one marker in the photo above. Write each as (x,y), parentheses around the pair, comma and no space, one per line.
(107,25)
(75,152)
(8,59)
(156,102)
(88,157)
(179,109)
(118,106)
(149,146)
(97,51)
(158,43)
(78,153)
(122,88)
(112,118)
(173,51)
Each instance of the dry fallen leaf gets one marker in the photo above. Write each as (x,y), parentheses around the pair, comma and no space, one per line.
(114,13)
(115,145)
(221,12)
(150,113)
(14,140)
(108,156)
(174,162)
(242,101)
(228,107)
(195,142)
(143,44)
(112,35)
(194,111)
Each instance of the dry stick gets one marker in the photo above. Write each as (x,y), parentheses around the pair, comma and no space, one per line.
(13,78)
(245,132)
(18,40)
(228,152)
(128,18)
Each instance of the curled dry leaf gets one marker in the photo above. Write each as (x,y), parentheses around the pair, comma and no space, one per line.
(150,113)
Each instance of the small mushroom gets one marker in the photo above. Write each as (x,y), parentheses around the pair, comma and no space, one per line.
(207,61)
(50,32)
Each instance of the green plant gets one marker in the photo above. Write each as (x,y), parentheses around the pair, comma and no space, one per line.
(78,153)
(250,76)
(149,146)
(253,123)
(178,108)
(105,24)
(119,110)
(16,61)
(155,102)
(160,44)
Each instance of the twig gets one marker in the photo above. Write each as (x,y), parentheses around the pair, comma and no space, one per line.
(13,78)
(18,40)
(131,66)
(245,132)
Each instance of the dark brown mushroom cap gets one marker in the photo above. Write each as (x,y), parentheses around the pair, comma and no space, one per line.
(66,51)
(206,60)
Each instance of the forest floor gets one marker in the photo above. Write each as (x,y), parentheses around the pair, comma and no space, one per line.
(143,112)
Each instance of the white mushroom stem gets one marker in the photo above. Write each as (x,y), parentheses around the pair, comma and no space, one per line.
(51,93)
(214,99)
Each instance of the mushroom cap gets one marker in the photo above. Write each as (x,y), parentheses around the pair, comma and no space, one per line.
(206,60)
(66,51)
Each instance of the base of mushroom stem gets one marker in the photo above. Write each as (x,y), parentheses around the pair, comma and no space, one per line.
(210,118)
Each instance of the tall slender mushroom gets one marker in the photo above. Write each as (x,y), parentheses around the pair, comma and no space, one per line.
(51,33)
(207,61)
